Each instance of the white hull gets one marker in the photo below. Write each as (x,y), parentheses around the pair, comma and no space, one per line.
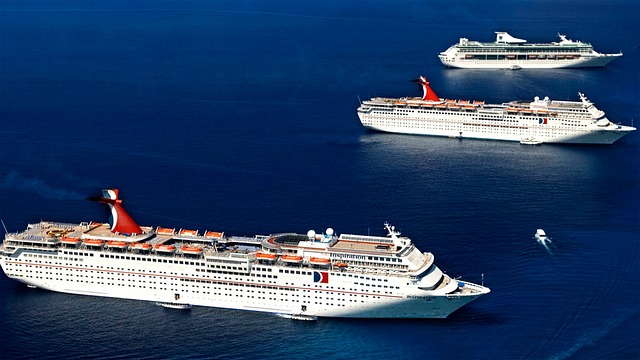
(140,281)
(584,62)
(462,131)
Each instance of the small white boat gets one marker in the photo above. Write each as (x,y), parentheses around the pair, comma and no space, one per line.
(515,67)
(32,286)
(541,236)
(172,305)
(301,317)
(530,141)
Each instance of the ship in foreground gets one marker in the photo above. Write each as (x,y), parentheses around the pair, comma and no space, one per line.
(508,52)
(310,275)
(544,120)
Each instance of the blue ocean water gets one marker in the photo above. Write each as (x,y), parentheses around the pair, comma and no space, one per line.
(239,116)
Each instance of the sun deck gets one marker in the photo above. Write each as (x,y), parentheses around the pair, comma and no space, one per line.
(347,245)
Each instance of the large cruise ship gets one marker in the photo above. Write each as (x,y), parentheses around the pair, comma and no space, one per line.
(542,120)
(508,52)
(300,275)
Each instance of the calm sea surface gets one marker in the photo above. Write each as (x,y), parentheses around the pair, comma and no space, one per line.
(240,116)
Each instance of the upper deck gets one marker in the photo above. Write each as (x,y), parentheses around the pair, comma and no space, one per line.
(357,252)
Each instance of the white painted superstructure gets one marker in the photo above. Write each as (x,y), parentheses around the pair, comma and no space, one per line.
(321,275)
(508,52)
(547,121)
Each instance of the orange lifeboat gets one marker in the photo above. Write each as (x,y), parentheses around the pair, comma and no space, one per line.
(340,264)
(141,246)
(69,240)
(117,244)
(292,258)
(165,231)
(93,242)
(191,250)
(164,248)
(318,261)
(213,234)
(265,256)
(187,232)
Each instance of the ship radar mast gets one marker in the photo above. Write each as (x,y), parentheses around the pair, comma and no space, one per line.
(392,230)
(398,241)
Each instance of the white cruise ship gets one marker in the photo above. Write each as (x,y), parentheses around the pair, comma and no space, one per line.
(542,120)
(508,52)
(301,275)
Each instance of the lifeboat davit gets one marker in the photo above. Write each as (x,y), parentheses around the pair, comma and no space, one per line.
(265,256)
(292,259)
(191,250)
(318,261)
(93,242)
(117,244)
(164,248)
(141,246)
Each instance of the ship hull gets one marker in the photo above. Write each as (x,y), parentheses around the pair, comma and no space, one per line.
(583,62)
(130,280)
(603,137)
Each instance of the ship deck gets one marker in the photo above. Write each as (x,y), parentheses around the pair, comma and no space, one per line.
(346,245)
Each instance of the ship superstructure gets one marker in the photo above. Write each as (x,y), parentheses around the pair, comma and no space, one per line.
(508,52)
(545,120)
(323,275)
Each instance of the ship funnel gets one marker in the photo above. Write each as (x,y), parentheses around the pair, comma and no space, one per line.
(427,92)
(503,37)
(120,220)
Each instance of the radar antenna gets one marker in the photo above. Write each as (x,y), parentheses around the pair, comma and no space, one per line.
(392,230)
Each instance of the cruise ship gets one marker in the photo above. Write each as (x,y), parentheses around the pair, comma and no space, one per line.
(542,120)
(301,275)
(508,52)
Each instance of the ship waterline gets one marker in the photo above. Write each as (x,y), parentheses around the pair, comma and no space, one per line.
(365,277)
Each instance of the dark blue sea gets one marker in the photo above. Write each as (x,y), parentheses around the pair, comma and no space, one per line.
(240,116)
